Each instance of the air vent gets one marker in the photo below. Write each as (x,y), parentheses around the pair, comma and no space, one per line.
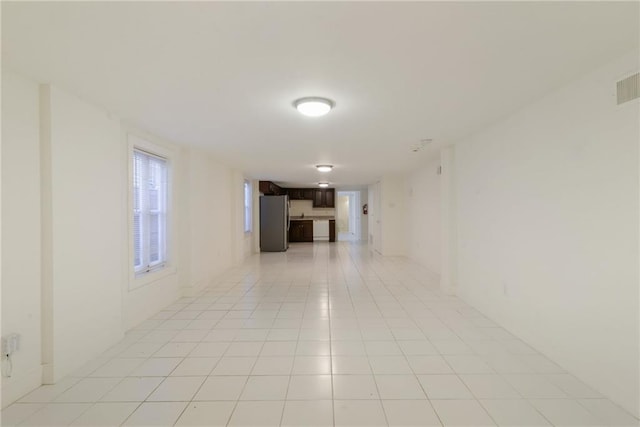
(628,88)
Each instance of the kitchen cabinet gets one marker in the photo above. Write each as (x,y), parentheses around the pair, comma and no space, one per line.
(301,231)
(268,188)
(295,193)
(318,199)
(307,231)
(329,198)
(300,193)
(295,232)
(332,230)
(321,197)
(324,198)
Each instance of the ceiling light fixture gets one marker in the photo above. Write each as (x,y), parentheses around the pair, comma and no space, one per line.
(323,184)
(324,168)
(313,106)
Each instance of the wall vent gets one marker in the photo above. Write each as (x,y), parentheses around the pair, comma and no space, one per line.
(628,88)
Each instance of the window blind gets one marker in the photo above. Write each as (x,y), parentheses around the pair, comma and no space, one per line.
(150,191)
(247,207)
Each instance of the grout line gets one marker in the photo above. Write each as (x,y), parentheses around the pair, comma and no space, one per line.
(360,284)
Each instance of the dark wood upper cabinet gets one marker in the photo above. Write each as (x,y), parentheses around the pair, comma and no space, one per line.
(321,197)
(264,187)
(268,188)
(300,193)
(307,193)
(324,198)
(295,193)
(276,189)
(329,198)
(318,199)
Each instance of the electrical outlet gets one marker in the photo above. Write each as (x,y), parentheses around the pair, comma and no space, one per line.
(10,344)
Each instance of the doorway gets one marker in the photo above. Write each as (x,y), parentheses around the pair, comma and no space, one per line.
(348,215)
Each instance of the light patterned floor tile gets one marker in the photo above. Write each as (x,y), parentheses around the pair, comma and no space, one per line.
(319,334)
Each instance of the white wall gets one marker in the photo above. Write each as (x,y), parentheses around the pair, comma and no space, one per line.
(448,229)
(364,219)
(393,217)
(21,231)
(375,214)
(65,168)
(423,210)
(299,207)
(212,196)
(88,175)
(547,218)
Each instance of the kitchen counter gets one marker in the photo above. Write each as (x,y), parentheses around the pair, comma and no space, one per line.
(312,218)
(312,228)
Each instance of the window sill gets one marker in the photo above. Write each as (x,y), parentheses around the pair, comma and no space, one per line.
(139,280)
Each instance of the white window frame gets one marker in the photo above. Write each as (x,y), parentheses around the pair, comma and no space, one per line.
(248,206)
(145,276)
(150,165)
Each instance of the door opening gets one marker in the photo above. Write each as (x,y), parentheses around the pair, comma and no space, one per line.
(348,215)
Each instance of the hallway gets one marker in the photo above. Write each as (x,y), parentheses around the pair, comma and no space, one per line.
(323,334)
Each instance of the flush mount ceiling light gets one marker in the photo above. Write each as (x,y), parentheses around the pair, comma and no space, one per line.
(313,106)
(324,168)
(323,184)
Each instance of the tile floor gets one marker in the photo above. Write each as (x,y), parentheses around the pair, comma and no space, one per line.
(322,335)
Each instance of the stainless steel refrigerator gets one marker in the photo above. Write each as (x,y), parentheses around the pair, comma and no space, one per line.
(274,223)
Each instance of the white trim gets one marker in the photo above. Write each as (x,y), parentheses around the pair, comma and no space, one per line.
(247,210)
(139,279)
(145,144)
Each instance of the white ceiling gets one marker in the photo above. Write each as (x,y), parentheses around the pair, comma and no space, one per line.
(224,75)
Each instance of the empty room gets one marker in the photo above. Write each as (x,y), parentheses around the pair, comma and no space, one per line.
(320,213)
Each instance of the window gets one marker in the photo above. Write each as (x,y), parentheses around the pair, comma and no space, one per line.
(150,192)
(247,207)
